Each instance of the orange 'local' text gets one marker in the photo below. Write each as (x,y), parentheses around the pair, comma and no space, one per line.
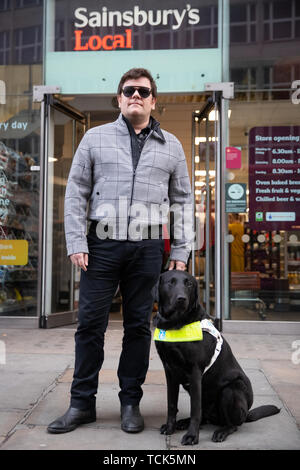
(108,43)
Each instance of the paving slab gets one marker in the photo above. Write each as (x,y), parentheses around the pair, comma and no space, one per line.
(8,419)
(278,432)
(24,378)
(285,379)
(84,438)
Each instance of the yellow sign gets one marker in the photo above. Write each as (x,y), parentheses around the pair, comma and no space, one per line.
(13,252)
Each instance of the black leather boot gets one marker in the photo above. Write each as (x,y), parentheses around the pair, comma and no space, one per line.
(71,419)
(131,419)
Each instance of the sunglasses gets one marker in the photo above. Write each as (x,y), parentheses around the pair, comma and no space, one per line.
(143,91)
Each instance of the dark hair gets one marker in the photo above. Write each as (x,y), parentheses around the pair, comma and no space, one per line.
(137,73)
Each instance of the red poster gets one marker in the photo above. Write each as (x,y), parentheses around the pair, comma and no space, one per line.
(233,158)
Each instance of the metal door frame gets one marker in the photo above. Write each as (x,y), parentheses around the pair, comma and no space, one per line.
(220,93)
(49,99)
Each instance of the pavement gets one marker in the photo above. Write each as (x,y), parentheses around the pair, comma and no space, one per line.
(36,368)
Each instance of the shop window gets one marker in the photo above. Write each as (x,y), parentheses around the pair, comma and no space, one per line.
(4,47)
(205,15)
(281,20)
(282,30)
(205,35)
(266,11)
(239,77)
(282,9)
(28,45)
(28,3)
(266,31)
(162,40)
(60,36)
(296,72)
(19,206)
(269,252)
(245,82)
(5,5)
(279,76)
(202,37)
(242,23)
(238,34)
(282,75)
(253,12)
(238,13)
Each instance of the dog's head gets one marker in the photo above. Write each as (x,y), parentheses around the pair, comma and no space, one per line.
(178,300)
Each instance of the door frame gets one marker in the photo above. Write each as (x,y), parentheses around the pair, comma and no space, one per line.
(49,102)
(220,93)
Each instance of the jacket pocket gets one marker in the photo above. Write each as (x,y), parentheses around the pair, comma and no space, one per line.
(164,193)
(98,189)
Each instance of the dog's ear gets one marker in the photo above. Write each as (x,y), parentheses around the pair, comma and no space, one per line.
(155,291)
(195,297)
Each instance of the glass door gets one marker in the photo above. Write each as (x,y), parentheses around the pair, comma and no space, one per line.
(63,128)
(209,256)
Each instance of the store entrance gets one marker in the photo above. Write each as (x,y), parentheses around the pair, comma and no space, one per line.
(63,127)
(209,259)
(193,119)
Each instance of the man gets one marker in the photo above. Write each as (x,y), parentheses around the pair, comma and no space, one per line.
(129,172)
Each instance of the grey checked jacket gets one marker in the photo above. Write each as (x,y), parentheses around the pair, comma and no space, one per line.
(102,185)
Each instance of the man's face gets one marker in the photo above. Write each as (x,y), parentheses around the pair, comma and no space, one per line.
(135,107)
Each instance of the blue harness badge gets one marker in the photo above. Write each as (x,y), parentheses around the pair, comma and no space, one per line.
(190,332)
(162,335)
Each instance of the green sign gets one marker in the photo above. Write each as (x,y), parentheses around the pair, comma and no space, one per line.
(179,42)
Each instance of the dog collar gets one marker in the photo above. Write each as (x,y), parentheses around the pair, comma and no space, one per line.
(190,332)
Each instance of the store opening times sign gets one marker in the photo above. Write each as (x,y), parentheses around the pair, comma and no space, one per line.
(274,178)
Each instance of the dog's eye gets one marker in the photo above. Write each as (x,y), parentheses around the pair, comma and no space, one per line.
(189,283)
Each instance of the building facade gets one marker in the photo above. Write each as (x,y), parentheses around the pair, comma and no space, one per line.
(82,48)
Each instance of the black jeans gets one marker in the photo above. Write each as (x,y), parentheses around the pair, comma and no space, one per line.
(136,267)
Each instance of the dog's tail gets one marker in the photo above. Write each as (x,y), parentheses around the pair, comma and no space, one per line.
(262,412)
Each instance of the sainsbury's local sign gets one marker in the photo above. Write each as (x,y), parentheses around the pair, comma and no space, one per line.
(178,41)
(170,18)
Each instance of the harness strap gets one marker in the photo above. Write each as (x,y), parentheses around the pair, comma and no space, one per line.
(210,328)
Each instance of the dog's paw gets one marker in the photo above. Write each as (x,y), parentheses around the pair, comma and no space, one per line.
(189,439)
(167,429)
(221,434)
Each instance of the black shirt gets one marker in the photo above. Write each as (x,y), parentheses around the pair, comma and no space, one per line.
(138,140)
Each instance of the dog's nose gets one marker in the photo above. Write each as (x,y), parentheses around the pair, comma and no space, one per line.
(180,300)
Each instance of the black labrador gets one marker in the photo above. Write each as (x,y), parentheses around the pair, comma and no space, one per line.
(223,394)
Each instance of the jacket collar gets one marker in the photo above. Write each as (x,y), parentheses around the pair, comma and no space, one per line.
(155,126)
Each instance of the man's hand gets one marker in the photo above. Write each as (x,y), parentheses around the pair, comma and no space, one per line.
(80,259)
(180,265)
